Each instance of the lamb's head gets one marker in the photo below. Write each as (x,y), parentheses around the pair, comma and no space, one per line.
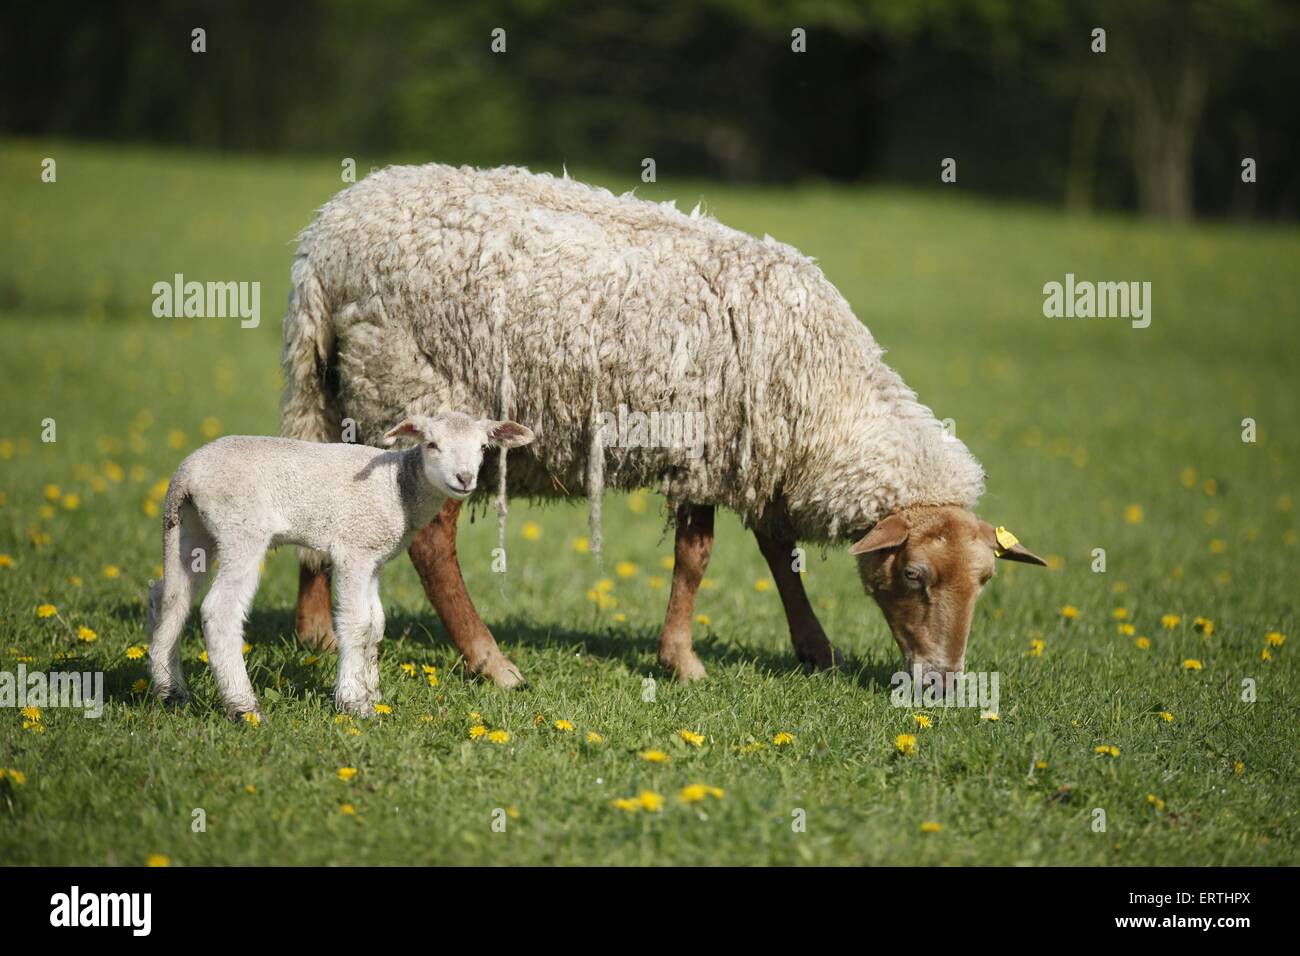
(452,447)
(925,567)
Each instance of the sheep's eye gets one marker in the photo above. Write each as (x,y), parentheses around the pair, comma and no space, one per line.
(432,446)
(915,575)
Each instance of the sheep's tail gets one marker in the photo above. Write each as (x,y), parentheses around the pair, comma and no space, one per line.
(310,409)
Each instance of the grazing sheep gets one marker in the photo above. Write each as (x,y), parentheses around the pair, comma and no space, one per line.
(515,294)
(356,504)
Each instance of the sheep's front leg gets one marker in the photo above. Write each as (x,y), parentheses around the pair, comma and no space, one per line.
(810,643)
(357,689)
(692,549)
(433,552)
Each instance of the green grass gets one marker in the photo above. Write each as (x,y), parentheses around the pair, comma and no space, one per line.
(1075,422)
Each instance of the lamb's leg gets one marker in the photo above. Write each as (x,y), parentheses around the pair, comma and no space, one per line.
(169,606)
(433,552)
(810,643)
(224,610)
(376,636)
(691,557)
(314,624)
(358,676)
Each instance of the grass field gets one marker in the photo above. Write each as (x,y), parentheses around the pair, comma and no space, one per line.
(1094,435)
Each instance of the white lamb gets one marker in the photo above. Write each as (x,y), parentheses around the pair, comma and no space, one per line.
(354,503)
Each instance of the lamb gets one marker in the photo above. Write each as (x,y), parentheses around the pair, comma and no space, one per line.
(359,505)
(517,294)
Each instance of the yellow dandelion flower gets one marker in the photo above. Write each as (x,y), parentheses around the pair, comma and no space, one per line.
(112,571)
(429,669)
(1166,716)
(31,713)
(6,561)
(531,530)
(930,826)
(650,801)
(46,610)
(1266,655)
(692,738)
(762,584)
(1155,801)
(46,512)
(628,804)
(498,737)
(17,777)
(1204,625)
(1192,664)
(783,739)
(157,859)
(1036,647)
(696,792)
(1218,546)
(565,726)
(1188,477)
(581,545)
(140,686)
(347,809)
(905,744)
(667,562)
(310,660)
(211,427)
(1133,514)
(654,756)
(477,731)
(1170,621)
(636,502)
(246,648)
(135,652)
(1128,630)
(409,669)
(1238,768)
(655,581)
(1143,643)
(749,748)
(1040,765)
(149,508)
(86,634)
(1275,638)
(52,493)
(74,580)
(703,619)
(71,501)
(353,732)
(1120,613)
(383,709)
(250,789)
(254,718)
(1069,612)
(347,774)
(1109,750)
(625,569)
(203,656)
(989,715)
(594,738)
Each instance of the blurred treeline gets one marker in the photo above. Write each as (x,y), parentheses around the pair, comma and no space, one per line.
(885,90)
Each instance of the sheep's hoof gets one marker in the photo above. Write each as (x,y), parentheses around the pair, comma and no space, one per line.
(819,655)
(172,696)
(356,708)
(246,715)
(502,672)
(686,667)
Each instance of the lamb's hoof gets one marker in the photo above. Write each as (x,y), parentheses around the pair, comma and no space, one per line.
(501,671)
(686,667)
(355,708)
(172,696)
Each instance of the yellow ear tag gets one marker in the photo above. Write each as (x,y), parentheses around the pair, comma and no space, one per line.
(1006,541)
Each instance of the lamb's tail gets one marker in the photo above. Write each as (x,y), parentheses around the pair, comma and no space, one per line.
(310,408)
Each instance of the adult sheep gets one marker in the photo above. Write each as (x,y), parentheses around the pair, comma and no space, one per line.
(516,295)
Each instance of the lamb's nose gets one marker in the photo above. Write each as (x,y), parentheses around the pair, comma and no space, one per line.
(466,478)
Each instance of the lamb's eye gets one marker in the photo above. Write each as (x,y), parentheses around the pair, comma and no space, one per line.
(432,446)
(483,450)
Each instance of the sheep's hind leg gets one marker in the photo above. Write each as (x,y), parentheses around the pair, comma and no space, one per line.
(433,552)
(692,549)
(223,612)
(314,623)
(810,643)
(358,677)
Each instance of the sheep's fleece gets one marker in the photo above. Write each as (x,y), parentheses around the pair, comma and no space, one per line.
(510,294)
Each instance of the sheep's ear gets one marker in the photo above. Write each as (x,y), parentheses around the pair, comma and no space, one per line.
(508,434)
(406,428)
(1007,546)
(889,532)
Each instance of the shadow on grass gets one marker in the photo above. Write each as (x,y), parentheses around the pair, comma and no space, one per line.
(634,648)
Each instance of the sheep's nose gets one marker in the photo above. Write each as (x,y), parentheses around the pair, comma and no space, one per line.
(466,479)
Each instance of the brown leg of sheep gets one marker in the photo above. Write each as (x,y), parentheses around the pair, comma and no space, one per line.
(693,547)
(433,552)
(810,643)
(313,620)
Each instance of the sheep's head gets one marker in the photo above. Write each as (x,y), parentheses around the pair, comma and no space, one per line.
(452,446)
(925,567)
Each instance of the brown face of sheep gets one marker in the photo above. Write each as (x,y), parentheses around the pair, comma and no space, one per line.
(925,567)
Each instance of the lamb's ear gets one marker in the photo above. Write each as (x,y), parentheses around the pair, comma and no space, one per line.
(1007,546)
(406,428)
(508,434)
(889,532)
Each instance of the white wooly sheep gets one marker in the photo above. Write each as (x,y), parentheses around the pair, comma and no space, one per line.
(522,295)
(238,496)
